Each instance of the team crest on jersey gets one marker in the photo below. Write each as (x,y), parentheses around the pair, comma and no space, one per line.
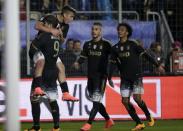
(89,45)
(121,48)
(100,47)
(94,46)
(128,47)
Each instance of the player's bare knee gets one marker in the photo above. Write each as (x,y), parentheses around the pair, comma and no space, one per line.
(40,63)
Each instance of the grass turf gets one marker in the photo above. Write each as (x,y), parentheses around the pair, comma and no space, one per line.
(160,125)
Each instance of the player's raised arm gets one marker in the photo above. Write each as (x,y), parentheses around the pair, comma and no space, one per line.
(149,57)
(41,27)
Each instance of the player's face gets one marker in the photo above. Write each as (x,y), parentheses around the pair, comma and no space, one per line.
(68,17)
(96,31)
(122,32)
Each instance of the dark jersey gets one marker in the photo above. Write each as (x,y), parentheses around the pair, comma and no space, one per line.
(97,54)
(64,27)
(127,55)
(49,46)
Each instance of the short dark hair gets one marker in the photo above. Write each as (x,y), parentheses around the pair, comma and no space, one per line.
(97,23)
(50,19)
(77,41)
(128,27)
(67,8)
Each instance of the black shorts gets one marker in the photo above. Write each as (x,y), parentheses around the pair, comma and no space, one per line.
(96,87)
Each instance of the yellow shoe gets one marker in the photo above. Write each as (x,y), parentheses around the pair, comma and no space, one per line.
(32,129)
(58,129)
(138,127)
(151,122)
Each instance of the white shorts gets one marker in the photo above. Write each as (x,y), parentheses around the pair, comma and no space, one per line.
(50,95)
(39,56)
(96,97)
(127,89)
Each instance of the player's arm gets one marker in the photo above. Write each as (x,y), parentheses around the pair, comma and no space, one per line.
(149,57)
(112,66)
(61,37)
(40,27)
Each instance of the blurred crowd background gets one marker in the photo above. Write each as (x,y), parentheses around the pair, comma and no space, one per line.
(166,14)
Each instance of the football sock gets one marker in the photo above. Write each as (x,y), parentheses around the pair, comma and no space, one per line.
(55,113)
(93,112)
(103,112)
(64,87)
(36,114)
(143,106)
(133,114)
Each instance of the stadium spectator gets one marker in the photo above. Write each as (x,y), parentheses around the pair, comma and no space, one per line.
(36,5)
(77,48)
(69,45)
(156,52)
(55,5)
(176,47)
(68,58)
(105,5)
(22,10)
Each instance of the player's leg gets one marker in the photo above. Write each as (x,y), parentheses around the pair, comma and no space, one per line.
(102,110)
(126,91)
(138,90)
(39,62)
(90,88)
(38,59)
(35,107)
(109,122)
(63,83)
(55,114)
(52,96)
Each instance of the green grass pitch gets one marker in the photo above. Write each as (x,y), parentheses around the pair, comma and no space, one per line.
(160,125)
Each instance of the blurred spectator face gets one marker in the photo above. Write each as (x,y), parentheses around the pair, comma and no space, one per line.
(77,46)
(68,17)
(69,45)
(177,46)
(122,32)
(96,31)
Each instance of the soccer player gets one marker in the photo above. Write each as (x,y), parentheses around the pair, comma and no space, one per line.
(127,55)
(49,46)
(66,17)
(97,52)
